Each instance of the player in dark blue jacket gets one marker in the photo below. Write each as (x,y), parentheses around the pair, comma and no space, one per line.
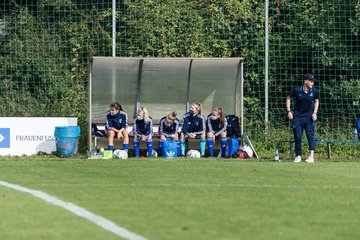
(143,131)
(216,125)
(116,123)
(168,129)
(306,99)
(193,127)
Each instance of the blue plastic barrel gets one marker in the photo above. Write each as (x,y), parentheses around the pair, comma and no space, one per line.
(67,139)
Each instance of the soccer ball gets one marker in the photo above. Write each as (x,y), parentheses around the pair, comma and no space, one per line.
(193,154)
(154,154)
(122,154)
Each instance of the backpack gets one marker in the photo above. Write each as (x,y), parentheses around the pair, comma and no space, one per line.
(96,132)
(233,127)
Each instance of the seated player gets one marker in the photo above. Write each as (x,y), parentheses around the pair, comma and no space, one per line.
(193,127)
(116,124)
(168,129)
(143,131)
(216,125)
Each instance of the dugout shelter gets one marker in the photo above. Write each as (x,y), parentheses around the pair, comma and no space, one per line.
(164,85)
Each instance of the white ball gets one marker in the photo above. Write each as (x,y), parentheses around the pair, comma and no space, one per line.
(193,154)
(154,154)
(122,154)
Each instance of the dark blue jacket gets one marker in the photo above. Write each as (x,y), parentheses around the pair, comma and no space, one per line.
(215,126)
(143,128)
(166,130)
(193,124)
(118,121)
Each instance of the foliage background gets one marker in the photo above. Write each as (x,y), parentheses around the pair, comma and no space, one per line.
(46,47)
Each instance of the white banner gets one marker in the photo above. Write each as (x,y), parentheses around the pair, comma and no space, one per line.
(30,135)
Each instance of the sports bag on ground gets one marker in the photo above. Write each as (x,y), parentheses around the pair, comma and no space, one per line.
(169,149)
(233,146)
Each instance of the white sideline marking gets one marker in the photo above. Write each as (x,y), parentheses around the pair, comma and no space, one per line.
(79,211)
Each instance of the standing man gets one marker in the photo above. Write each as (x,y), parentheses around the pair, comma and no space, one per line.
(306,105)
(193,127)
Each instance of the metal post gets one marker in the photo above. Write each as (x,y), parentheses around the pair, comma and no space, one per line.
(138,86)
(113,86)
(188,87)
(291,151)
(266,65)
(114,28)
(237,104)
(328,150)
(90,145)
(242,96)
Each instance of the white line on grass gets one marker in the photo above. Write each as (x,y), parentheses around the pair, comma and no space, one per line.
(79,211)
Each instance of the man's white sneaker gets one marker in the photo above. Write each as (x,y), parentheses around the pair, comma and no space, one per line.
(297,159)
(310,160)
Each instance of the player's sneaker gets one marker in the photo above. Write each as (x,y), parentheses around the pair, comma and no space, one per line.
(310,160)
(297,159)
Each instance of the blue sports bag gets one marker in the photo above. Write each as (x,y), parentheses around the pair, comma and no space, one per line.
(233,146)
(169,149)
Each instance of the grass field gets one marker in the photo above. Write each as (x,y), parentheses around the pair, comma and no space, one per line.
(183,199)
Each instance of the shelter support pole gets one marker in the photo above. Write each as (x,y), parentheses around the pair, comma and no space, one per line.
(242,96)
(188,87)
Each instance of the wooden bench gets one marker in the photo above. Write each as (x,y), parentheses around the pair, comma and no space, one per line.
(292,142)
(100,141)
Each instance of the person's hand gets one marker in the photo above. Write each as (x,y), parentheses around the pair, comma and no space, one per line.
(190,135)
(314,117)
(290,115)
(143,137)
(120,135)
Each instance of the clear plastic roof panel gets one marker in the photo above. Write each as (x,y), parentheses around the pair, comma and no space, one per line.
(164,85)
(213,84)
(113,79)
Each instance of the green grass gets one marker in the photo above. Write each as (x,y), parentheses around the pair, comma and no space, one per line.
(184,199)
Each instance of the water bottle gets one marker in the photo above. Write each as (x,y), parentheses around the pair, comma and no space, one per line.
(276,158)
(356,135)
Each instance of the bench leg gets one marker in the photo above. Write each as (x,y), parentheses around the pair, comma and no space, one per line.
(328,150)
(291,151)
